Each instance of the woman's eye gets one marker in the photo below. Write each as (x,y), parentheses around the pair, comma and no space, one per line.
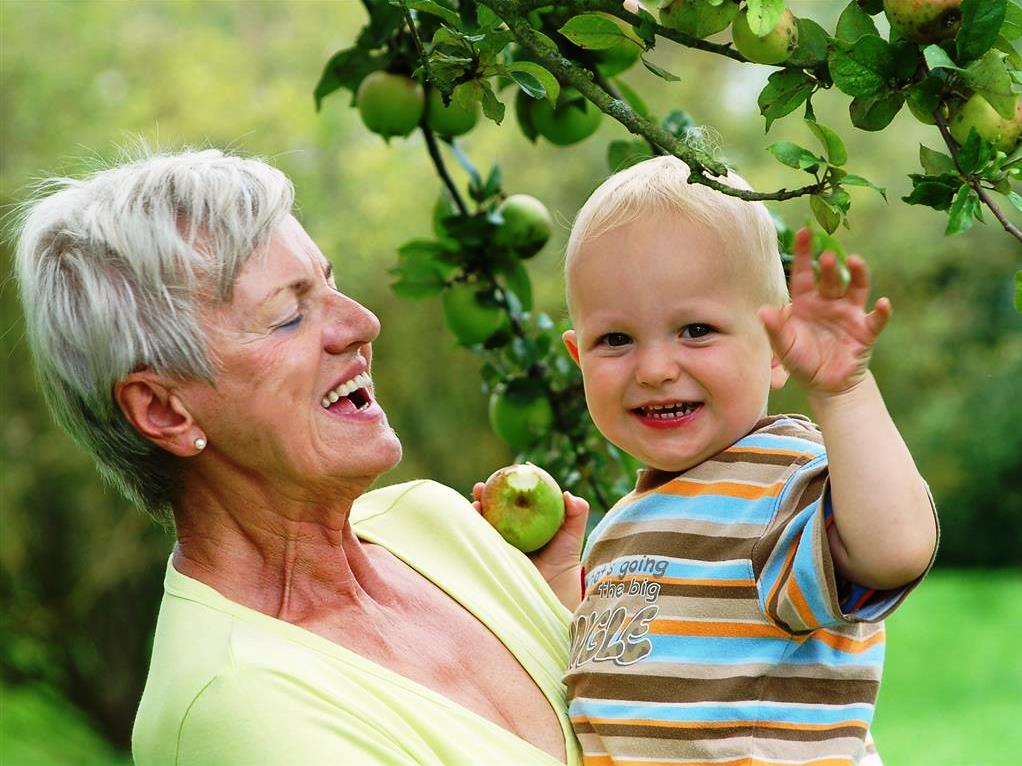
(615,339)
(696,330)
(290,324)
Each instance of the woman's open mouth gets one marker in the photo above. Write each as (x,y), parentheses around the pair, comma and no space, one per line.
(351,395)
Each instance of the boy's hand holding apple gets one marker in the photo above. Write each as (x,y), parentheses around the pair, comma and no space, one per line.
(524,503)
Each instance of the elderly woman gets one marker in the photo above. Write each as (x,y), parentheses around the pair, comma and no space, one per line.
(191,335)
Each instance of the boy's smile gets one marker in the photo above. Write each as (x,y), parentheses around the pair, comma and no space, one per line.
(676,364)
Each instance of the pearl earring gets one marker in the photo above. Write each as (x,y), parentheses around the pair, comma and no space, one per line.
(200,444)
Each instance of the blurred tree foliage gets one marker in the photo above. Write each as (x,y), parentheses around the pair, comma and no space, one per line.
(80,572)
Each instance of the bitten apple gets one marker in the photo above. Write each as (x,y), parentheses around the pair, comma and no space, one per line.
(524,504)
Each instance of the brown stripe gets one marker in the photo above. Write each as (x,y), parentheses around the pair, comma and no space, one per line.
(737,455)
(673,545)
(710,591)
(635,732)
(809,691)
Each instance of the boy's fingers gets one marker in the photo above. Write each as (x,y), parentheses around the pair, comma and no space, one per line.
(858,286)
(802,267)
(574,505)
(830,276)
(876,320)
(477,490)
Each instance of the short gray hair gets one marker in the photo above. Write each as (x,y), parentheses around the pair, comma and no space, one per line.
(660,186)
(113,270)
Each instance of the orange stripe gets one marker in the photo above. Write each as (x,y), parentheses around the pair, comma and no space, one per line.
(798,600)
(685,488)
(848,644)
(771,451)
(785,568)
(722,724)
(715,629)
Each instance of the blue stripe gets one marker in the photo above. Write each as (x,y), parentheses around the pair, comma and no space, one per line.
(716,650)
(773,441)
(723,509)
(722,712)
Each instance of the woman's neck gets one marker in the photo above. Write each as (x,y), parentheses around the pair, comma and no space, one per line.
(286,558)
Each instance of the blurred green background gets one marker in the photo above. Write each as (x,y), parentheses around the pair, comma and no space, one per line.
(80,571)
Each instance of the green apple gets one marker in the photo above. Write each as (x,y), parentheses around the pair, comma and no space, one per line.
(977,113)
(472,318)
(450,121)
(524,504)
(697,18)
(527,225)
(573,119)
(520,420)
(389,104)
(774,47)
(924,21)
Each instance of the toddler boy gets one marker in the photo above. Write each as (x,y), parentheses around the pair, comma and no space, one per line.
(733,601)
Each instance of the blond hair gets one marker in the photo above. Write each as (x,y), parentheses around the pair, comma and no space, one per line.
(660,186)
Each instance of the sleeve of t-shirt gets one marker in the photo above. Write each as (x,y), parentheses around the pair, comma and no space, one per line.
(798,587)
(255,717)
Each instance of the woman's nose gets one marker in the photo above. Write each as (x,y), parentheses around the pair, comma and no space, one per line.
(349,324)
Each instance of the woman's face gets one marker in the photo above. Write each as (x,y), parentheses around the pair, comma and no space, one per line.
(288,343)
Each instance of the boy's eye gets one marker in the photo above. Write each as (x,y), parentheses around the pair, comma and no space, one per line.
(696,330)
(615,339)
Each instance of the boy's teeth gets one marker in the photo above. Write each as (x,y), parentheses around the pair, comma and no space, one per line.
(665,411)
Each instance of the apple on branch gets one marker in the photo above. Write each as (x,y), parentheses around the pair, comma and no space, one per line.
(525,504)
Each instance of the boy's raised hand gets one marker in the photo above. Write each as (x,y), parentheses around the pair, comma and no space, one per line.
(824,337)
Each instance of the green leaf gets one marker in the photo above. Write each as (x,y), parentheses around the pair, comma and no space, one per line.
(1011,29)
(624,154)
(486,18)
(434,8)
(935,163)
(962,212)
(854,23)
(517,282)
(1015,199)
(974,153)
(1012,54)
(764,15)
(493,108)
(420,272)
(862,70)
(785,90)
(937,58)
(828,216)
(853,180)
(933,191)
(549,83)
(812,44)
(981,23)
(678,122)
(660,72)
(875,112)
(593,32)
(990,77)
(831,141)
(529,84)
(795,156)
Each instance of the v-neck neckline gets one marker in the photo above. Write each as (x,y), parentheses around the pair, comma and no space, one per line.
(179,585)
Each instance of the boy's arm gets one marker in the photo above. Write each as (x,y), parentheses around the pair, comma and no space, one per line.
(884,530)
(559,560)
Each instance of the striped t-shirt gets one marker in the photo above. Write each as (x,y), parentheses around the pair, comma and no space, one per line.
(713,629)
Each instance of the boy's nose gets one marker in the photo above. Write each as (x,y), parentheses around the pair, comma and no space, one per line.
(656,367)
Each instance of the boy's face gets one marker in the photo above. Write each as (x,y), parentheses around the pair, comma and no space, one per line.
(676,363)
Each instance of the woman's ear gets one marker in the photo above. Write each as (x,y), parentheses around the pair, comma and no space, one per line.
(157,413)
(571,343)
(778,374)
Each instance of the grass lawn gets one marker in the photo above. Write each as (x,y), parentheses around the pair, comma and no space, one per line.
(952,688)
(951,696)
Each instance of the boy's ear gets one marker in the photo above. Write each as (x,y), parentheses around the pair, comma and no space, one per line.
(778,374)
(157,413)
(571,343)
